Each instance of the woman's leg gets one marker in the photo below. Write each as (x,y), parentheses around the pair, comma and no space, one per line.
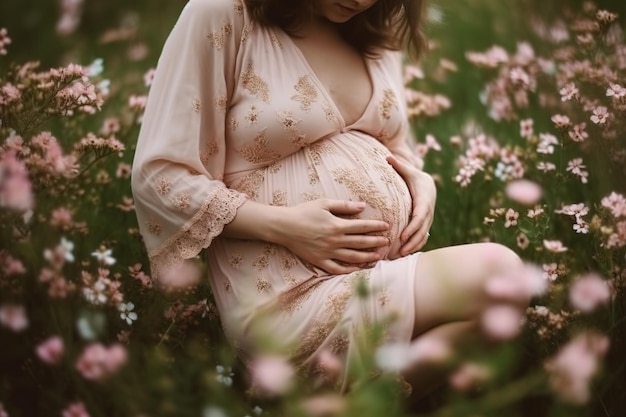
(450,296)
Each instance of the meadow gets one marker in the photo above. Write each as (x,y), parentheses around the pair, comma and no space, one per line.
(519,110)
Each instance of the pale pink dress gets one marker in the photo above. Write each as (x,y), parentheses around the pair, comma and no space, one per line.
(236,113)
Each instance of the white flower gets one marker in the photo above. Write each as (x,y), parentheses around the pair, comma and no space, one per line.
(96,67)
(127,313)
(224,375)
(103,255)
(67,248)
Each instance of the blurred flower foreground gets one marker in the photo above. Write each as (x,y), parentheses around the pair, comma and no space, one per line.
(525,138)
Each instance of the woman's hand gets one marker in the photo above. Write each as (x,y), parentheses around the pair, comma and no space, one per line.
(424,196)
(315,232)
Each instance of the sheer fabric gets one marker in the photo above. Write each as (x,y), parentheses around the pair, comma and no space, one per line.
(235,113)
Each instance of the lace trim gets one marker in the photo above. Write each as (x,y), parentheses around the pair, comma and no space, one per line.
(218,209)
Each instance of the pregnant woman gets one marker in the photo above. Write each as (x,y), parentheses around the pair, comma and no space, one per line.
(276,137)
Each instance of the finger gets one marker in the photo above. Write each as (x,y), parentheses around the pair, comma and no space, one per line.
(351,256)
(364,242)
(398,165)
(414,244)
(415,224)
(333,267)
(342,206)
(363,226)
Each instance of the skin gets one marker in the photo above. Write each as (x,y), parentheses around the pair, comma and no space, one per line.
(449,282)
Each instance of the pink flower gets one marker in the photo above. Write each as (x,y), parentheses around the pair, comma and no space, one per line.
(568,92)
(4,41)
(501,322)
(510,217)
(98,362)
(555,246)
(15,186)
(50,350)
(76,409)
(330,364)
(578,133)
(524,192)
(560,120)
(181,276)
(600,115)
(522,241)
(588,292)
(148,77)
(546,143)
(616,203)
(526,127)
(572,369)
(470,375)
(528,281)
(13,317)
(272,375)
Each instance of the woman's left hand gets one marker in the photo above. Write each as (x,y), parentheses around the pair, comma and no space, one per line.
(424,196)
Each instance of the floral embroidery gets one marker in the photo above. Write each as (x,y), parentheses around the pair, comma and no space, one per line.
(227,287)
(287,260)
(306,93)
(234,123)
(387,103)
(235,260)
(260,263)
(275,40)
(254,84)
(162,185)
(218,39)
(221,102)
(288,120)
(328,111)
(364,189)
(262,285)
(383,136)
(383,298)
(307,196)
(154,227)
(275,167)
(251,183)
(292,300)
(279,198)
(247,30)
(318,149)
(259,152)
(238,7)
(196,106)
(253,115)
(339,344)
(217,209)
(182,200)
(212,147)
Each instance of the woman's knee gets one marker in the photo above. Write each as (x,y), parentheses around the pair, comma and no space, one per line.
(506,277)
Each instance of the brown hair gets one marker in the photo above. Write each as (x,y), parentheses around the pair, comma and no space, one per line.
(389,24)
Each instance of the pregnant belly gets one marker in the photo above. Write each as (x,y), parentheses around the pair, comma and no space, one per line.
(347,166)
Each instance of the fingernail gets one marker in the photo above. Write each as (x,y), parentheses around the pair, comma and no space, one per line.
(359,204)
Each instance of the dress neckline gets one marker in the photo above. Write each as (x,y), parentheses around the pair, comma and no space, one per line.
(368,67)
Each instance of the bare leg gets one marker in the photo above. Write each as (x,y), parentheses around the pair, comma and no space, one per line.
(450,297)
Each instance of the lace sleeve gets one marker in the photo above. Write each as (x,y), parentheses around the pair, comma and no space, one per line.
(181,202)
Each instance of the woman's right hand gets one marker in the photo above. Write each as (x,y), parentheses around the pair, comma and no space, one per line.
(316,232)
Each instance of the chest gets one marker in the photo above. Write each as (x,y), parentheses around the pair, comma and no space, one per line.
(342,72)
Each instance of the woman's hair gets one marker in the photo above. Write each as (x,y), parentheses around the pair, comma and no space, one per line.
(390,24)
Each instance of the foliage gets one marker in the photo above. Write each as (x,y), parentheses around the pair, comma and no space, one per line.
(524,136)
